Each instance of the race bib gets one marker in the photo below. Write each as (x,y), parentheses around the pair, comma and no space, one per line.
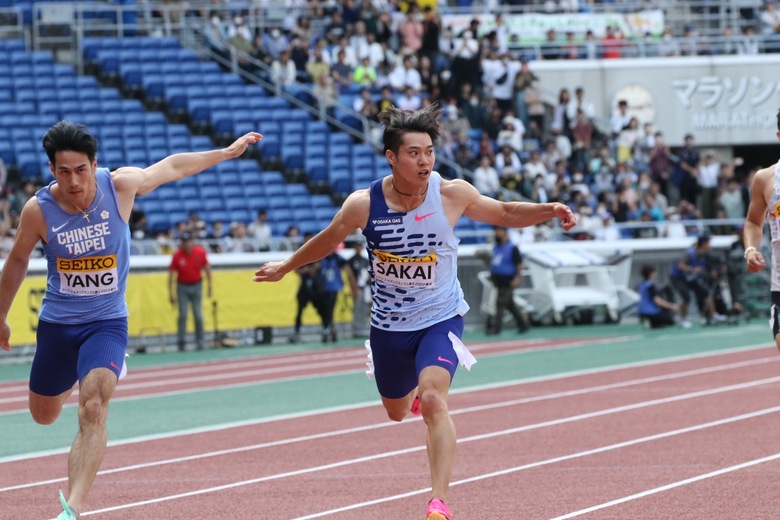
(402,271)
(88,276)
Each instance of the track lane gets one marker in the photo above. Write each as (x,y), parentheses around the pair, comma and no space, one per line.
(417,465)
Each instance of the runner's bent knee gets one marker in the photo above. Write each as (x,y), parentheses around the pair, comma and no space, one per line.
(45,409)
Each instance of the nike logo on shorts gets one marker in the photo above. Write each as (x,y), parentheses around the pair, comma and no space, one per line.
(445,360)
(113,365)
(419,218)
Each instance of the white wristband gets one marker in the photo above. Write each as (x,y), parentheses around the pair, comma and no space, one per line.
(749,250)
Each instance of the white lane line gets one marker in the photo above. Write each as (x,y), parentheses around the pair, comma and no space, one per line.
(672,485)
(475,388)
(352,357)
(510,431)
(213,377)
(387,424)
(555,460)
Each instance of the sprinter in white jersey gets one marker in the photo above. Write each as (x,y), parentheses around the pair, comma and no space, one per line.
(82,218)
(417,310)
(765,204)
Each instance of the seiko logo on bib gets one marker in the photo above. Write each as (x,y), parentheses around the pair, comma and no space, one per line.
(88,276)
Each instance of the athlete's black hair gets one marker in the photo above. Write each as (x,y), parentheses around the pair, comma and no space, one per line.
(69,136)
(399,123)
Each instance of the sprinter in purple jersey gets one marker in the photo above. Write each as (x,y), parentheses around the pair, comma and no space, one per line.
(417,309)
(82,220)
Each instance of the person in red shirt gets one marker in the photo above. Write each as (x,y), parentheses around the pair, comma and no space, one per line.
(187,267)
(612,43)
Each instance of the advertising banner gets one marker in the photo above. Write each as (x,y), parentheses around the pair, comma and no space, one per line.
(533,27)
(242,304)
(721,100)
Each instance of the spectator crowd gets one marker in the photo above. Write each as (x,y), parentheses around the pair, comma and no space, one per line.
(497,125)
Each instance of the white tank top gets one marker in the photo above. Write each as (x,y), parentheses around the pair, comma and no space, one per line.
(414,279)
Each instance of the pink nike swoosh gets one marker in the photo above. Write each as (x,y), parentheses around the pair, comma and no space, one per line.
(418,218)
(446,360)
(114,365)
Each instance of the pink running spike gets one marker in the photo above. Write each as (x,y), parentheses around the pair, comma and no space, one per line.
(416,406)
(438,510)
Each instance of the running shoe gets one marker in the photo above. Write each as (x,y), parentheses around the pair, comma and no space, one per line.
(438,510)
(68,513)
(416,406)
(719,318)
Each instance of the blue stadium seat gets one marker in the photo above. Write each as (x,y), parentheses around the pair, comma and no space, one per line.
(136,157)
(190,68)
(362,178)
(176,98)
(325,214)
(339,162)
(275,205)
(270,146)
(292,157)
(213,203)
(193,205)
(248,170)
(156,153)
(201,143)
(29,164)
(211,192)
(206,181)
(108,60)
(254,191)
(131,76)
(321,201)
(339,174)
(341,186)
(273,177)
(316,139)
(290,127)
(153,86)
(363,164)
(297,190)
(222,122)
(199,111)
(232,191)
(243,123)
(214,216)
(240,215)
(236,203)
(90,47)
(316,168)
(269,128)
(7,153)
(275,191)
(157,222)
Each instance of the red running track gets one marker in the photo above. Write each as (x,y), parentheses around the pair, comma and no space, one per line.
(684,439)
